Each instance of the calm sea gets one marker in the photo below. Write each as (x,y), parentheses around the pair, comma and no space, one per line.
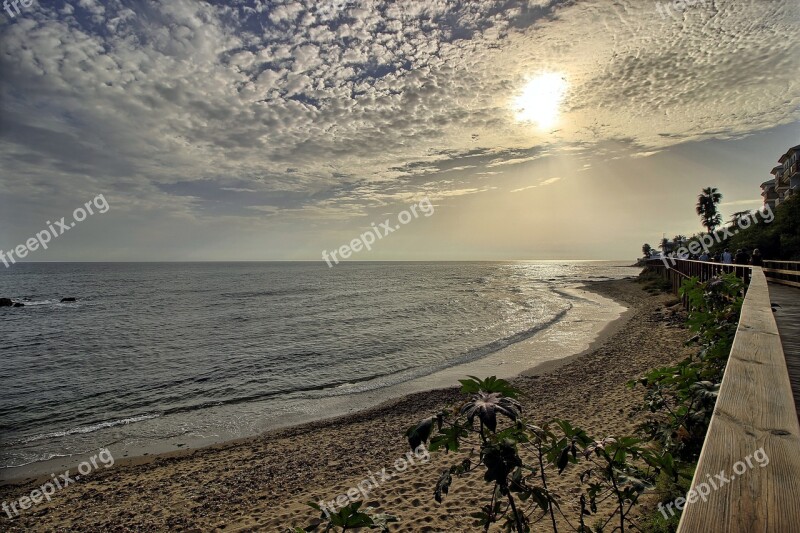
(175,353)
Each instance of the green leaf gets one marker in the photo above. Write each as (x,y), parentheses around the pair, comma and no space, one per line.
(443,486)
(420,433)
(563,459)
(448,439)
(491,384)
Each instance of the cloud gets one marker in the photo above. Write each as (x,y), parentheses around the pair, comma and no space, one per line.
(349,105)
(639,155)
(753,203)
(516,161)
(549,181)
(543,183)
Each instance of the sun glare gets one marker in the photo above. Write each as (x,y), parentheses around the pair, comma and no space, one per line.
(540,100)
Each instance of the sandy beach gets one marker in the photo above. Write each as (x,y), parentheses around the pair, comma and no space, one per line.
(263,483)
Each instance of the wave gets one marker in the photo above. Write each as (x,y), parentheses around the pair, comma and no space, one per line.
(41,459)
(500,344)
(86,429)
(274,292)
(334,388)
(342,387)
(363,385)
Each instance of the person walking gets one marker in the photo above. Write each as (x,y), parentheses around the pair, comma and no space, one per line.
(757,260)
(727,258)
(741,257)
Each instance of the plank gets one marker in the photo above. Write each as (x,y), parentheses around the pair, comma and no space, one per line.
(787,317)
(785,282)
(781,271)
(770,261)
(755,410)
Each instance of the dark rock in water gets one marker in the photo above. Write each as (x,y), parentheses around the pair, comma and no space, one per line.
(6,302)
(67,300)
(17,304)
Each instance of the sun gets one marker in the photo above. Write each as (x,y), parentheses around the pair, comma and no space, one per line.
(540,100)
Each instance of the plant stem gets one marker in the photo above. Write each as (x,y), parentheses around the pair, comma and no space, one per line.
(517,519)
(491,510)
(620,502)
(544,485)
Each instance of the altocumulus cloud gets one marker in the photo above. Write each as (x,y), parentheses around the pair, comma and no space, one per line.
(253,108)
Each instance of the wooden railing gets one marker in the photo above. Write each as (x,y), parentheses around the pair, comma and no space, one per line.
(754,422)
(784,272)
(754,418)
(677,270)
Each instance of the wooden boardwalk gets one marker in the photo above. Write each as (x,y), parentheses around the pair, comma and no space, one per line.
(787,316)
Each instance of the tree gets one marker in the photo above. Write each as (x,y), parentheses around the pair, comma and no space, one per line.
(678,240)
(707,203)
(737,216)
(646,249)
(666,246)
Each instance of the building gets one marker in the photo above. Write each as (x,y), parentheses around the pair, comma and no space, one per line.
(789,183)
(785,181)
(769,194)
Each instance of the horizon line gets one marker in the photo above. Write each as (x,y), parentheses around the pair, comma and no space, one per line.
(323,262)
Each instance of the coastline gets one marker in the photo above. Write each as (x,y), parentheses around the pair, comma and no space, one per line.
(601,338)
(318,460)
(552,345)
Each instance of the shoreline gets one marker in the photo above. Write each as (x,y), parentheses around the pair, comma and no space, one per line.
(262,483)
(601,338)
(508,363)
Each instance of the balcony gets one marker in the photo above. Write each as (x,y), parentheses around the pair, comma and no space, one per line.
(794,183)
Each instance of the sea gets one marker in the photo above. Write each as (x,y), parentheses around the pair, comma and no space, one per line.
(158,357)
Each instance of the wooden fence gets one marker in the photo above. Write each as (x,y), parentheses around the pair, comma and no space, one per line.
(677,270)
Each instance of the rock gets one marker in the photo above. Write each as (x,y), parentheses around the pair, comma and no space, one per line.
(17,304)
(6,302)
(67,300)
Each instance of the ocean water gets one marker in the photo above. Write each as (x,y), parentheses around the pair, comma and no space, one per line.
(163,356)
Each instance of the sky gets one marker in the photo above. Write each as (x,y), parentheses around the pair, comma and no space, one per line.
(274,130)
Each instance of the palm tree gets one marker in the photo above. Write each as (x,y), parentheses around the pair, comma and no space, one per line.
(666,246)
(737,216)
(707,203)
(678,240)
(646,249)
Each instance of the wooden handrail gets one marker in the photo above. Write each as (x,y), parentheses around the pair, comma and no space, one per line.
(782,262)
(781,271)
(755,410)
(786,273)
(675,271)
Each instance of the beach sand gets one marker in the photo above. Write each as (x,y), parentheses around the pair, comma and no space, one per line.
(263,483)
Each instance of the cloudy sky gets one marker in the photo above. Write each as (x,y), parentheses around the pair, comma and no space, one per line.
(258,130)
